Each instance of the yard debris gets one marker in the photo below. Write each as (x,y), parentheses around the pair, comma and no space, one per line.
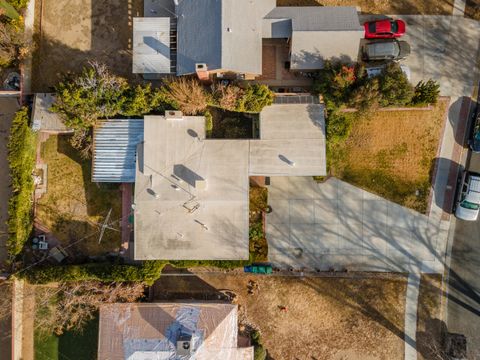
(252,287)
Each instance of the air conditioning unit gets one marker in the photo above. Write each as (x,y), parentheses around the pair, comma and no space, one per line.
(173,115)
(184,347)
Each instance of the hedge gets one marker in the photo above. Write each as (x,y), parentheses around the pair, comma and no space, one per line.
(21,159)
(147,272)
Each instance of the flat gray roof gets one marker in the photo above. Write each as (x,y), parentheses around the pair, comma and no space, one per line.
(45,120)
(318,33)
(191,194)
(115,146)
(151,45)
(224,34)
(292,141)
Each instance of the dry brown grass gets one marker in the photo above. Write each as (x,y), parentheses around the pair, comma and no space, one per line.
(327,318)
(430,7)
(429,325)
(73,205)
(189,94)
(392,154)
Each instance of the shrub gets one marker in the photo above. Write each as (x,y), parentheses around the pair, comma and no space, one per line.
(395,89)
(94,94)
(143,100)
(208,123)
(18,4)
(259,352)
(366,96)
(8,10)
(12,43)
(148,272)
(255,98)
(227,96)
(21,159)
(334,82)
(426,93)
(187,94)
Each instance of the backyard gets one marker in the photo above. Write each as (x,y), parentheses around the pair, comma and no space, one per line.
(74,207)
(69,33)
(325,318)
(392,153)
(427,7)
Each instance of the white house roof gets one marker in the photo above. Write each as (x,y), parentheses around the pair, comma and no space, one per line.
(191,194)
(151,45)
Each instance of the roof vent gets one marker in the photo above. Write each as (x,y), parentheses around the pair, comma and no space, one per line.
(173,115)
(184,345)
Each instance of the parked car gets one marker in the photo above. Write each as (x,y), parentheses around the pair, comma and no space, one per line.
(468,199)
(384,29)
(377,70)
(474,141)
(388,49)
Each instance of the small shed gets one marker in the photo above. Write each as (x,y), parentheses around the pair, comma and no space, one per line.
(43,119)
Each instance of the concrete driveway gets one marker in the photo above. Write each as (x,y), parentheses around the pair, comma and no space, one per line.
(337,225)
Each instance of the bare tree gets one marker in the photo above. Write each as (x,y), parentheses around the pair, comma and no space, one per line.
(189,94)
(73,304)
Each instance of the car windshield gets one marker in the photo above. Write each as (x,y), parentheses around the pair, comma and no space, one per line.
(394,26)
(468,205)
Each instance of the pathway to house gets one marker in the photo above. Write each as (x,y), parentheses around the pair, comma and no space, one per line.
(411,305)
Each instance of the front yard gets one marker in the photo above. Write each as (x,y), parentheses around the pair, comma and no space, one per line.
(392,153)
(74,207)
(309,317)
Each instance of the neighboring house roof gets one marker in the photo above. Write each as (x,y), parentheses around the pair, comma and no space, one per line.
(292,141)
(45,120)
(318,33)
(151,45)
(142,331)
(224,34)
(191,194)
(115,146)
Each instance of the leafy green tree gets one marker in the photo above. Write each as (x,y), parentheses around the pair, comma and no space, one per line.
(92,95)
(21,159)
(394,86)
(426,92)
(366,96)
(142,100)
(255,98)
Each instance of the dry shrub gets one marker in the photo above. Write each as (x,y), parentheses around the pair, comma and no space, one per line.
(227,97)
(73,304)
(188,94)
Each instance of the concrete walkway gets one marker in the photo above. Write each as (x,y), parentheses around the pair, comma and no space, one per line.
(459,7)
(411,304)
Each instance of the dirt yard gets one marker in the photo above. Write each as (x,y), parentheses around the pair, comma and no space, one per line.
(392,153)
(74,206)
(326,318)
(69,33)
(426,7)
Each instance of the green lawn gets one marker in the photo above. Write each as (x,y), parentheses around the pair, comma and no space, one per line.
(70,345)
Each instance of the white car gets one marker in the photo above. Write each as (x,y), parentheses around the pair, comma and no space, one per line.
(468,204)
(377,70)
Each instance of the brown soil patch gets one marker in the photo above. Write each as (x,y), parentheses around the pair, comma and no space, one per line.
(69,33)
(392,153)
(326,318)
(427,7)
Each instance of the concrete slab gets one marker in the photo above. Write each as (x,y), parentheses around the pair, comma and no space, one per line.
(350,228)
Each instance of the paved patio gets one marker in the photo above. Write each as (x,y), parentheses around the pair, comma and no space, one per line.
(337,225)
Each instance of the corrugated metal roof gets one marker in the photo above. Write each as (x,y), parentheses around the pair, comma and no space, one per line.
(151,45)
(115,148)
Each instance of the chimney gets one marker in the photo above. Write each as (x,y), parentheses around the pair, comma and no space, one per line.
(202,71)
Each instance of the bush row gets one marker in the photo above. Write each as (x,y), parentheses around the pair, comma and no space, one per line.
(147,272)
(21,159)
